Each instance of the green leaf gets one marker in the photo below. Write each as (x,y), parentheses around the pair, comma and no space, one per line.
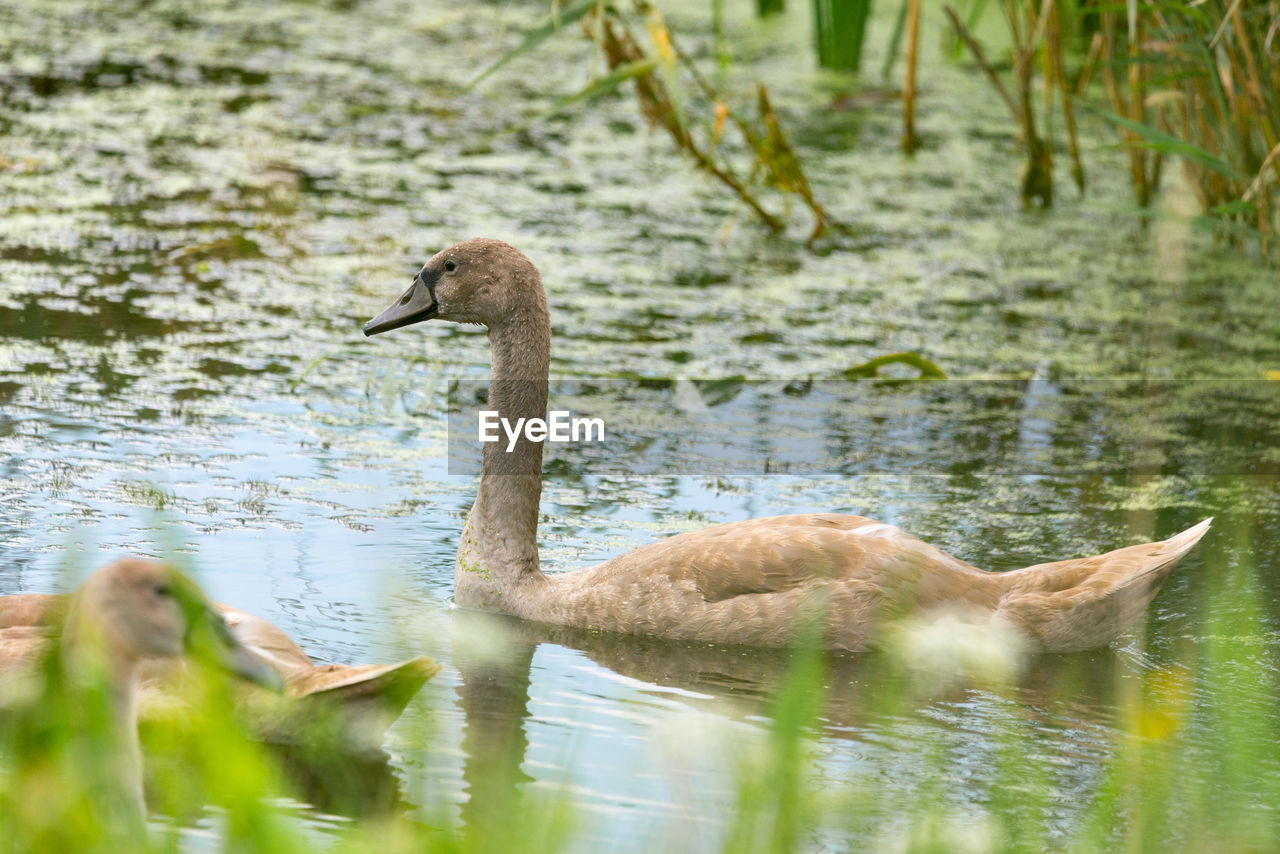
(1158,140)
(607,83)
(927,369)
(536,36)
(594,89)
(1239,206)
(895,42)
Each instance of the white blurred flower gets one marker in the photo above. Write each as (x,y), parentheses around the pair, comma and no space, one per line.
(947,648)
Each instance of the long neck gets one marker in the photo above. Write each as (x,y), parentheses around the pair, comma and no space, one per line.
(93,662)
(498,554)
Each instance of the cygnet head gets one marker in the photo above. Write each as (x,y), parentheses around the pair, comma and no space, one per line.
(477,281)
(147,609)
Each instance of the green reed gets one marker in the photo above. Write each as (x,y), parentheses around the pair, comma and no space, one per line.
(1200,82)
(674,95)
(1195,83)
(839,28)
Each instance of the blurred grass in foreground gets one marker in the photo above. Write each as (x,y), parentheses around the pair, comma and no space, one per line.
(1191,761)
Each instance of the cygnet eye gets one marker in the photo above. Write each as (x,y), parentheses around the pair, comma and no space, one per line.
(450,265)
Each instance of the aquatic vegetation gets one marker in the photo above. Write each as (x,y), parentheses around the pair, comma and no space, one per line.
(911,22)
(694,117)
(1198,82)
(1035,33)
(1201,82)
(839,28)
(871,367)
(148,494)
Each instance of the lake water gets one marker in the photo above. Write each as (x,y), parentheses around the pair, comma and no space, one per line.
(200,206)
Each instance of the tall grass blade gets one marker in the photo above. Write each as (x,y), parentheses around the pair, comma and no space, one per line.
(839,28)
(594,89)
(1164,143)
(554,24)
(895,41)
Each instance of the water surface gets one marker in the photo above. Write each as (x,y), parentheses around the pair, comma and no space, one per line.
(200,207)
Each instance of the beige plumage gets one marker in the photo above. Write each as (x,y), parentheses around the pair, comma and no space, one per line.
(122,616)
(750,582)
(368,697)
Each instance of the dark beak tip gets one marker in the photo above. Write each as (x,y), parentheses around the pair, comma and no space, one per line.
(418,303)
(253,669)
(274,683)
(374,326)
